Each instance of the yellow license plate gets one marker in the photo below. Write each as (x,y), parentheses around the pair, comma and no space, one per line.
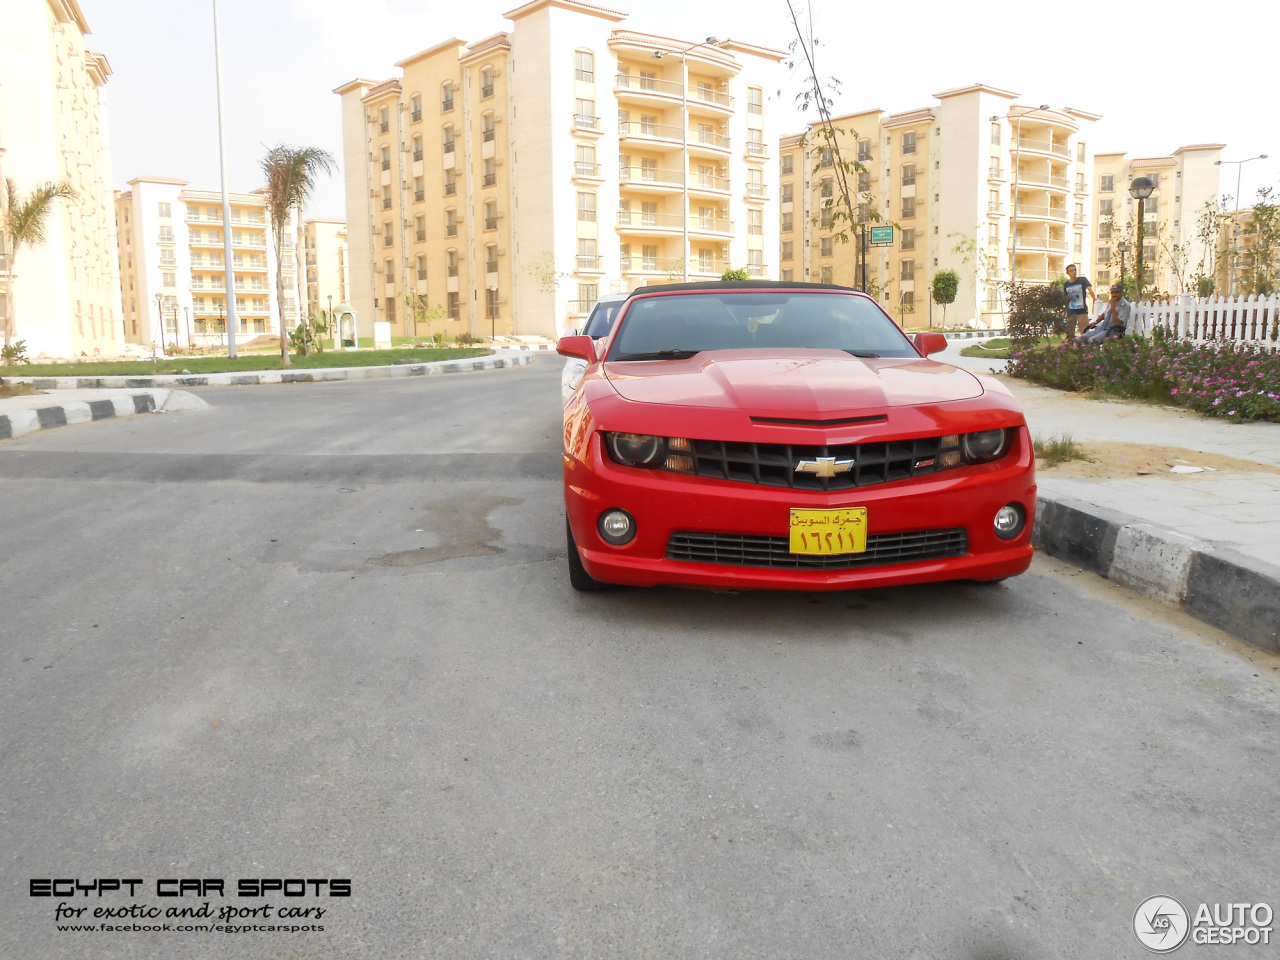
(825,532)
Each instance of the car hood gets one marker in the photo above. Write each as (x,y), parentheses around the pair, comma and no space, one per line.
(813,384)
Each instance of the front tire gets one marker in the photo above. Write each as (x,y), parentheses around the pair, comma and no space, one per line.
(579,579)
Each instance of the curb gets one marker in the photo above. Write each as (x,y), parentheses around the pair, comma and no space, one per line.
(317,375)
(1225,589)
(18,423)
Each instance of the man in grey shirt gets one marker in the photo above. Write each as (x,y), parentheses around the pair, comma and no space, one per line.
(1114,320)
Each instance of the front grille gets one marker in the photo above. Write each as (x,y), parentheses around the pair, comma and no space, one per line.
(774,464)
(740,550)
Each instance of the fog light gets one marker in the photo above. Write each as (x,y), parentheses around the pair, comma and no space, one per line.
(1009,521)
(617,527)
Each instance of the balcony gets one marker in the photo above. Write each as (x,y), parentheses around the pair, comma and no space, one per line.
(628,87)
(1040,211)
(582,121)
(1050,244)
(579,308)
(709,183)
(756,269)
(1046,180)
(757,151)
(1047,147)
(709,142)
(708,268)
(640,222)
(996,173)
(757,191)
(664,266)
(585,170)
(641,130)
(586,264)
(712,98)
(995,209)
(651,177)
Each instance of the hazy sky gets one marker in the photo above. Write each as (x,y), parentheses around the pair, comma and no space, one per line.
(1158,85)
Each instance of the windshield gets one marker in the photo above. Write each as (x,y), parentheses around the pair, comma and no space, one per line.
(667,327)
(601,320)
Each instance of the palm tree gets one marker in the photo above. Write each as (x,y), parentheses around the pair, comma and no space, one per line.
(291,174)
(24,223)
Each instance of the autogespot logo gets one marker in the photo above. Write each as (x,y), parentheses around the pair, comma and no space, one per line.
(1161,924)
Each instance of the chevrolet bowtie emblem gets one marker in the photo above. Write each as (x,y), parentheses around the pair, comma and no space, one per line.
(824,466)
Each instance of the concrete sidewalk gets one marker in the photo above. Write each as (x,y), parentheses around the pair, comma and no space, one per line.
(1210,540)
(62,408)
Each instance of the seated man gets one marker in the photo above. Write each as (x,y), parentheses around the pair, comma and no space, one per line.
(1113,321)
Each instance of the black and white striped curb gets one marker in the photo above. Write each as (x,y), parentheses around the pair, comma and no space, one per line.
(1233,592)
(973,334)
(318,375)
(21,421)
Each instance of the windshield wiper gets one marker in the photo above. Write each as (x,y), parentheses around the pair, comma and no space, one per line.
(660,355)
(863,353)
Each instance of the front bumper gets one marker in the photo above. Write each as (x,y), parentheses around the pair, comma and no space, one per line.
(663,503)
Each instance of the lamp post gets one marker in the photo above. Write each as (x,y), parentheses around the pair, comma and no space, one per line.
(1235,217)
(684,130)
(333,329)
(160,314)
(1123,246)
(187,310)
(222,322)
(1140,189)
(493,311)
(228,259)
(1014,154)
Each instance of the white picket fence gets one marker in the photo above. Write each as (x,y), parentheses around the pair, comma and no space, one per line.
(1251,320)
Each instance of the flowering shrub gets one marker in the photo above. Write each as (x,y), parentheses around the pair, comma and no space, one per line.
(1235,382)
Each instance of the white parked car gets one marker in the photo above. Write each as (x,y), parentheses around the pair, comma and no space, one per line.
(598,325)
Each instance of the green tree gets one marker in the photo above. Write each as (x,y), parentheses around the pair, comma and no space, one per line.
(24,221)
(735,273)
(419,308)
(946,284)
(291,175)
(1259,259)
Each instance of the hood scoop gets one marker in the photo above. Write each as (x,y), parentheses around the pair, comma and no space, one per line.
(838,422)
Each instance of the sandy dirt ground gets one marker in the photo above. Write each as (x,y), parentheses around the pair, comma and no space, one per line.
(1114,461)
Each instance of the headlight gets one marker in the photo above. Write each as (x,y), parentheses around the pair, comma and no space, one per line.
(984,445)
(636,449)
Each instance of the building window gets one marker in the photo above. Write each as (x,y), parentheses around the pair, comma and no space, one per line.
(909,142)
(391,309)
(451,222)
(826,189)
(755,100)
(825,274)
(584,114)
(1080,152)
(993,233)
(419,190)
(587,259)
(1107,184)
(446,97)
(994,170)
(1105,207)
(788,192)
(908,207)
(491,258)
(824,217)
(1154,177)
(451,264)
(420,229)
(587,207)
(166,210)
(788,164)
(908,174)
(386,157)
(788,222)
(386,196)
(491,302)
(389,269)
(787,249)
(1104,255)
(454,305)
(450,183)
(584,66)
(825,247)
(388,238)
(826,158)
(486,83)
(447,137)
(586,162)
(1104,231)
(864,150)
(908,238)
(487,127)
(491,215)
(755,223)
(489,174)
(422,267)
(417,149)
(384,120)
(415,108)
(908,301)
(907,270)
(786,275)
(995,131)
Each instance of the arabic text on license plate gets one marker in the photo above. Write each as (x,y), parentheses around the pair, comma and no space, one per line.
(827,532)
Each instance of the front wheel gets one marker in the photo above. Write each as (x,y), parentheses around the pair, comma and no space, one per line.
(579,579)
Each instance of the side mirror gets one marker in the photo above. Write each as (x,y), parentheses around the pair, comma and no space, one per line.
(928,343)
(584,348)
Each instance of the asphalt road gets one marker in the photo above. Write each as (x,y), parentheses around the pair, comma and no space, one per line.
(325,631)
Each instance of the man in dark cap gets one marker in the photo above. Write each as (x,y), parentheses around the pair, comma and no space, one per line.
(1114,320)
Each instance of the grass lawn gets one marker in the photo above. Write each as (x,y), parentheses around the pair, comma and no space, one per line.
(330,358)
(999,347)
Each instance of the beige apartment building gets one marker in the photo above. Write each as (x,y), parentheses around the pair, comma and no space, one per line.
(1185,181)
(945,177)
(511,181)
(66,290)
(173,270)
(1240,253)
(325,250)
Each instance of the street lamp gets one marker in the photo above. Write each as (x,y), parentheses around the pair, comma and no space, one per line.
(493,311)
(684,130)
(1140,189)
(1014,156)
(160,314)
(187,310)
(1123,247)
(332,327)
(1235,217)
(228,259)
(222,322)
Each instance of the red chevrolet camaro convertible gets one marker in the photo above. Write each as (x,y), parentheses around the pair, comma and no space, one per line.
(745,435)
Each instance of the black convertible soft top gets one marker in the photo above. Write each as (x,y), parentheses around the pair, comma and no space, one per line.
(739,285)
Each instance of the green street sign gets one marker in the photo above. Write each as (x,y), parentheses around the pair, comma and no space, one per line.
(881,235)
